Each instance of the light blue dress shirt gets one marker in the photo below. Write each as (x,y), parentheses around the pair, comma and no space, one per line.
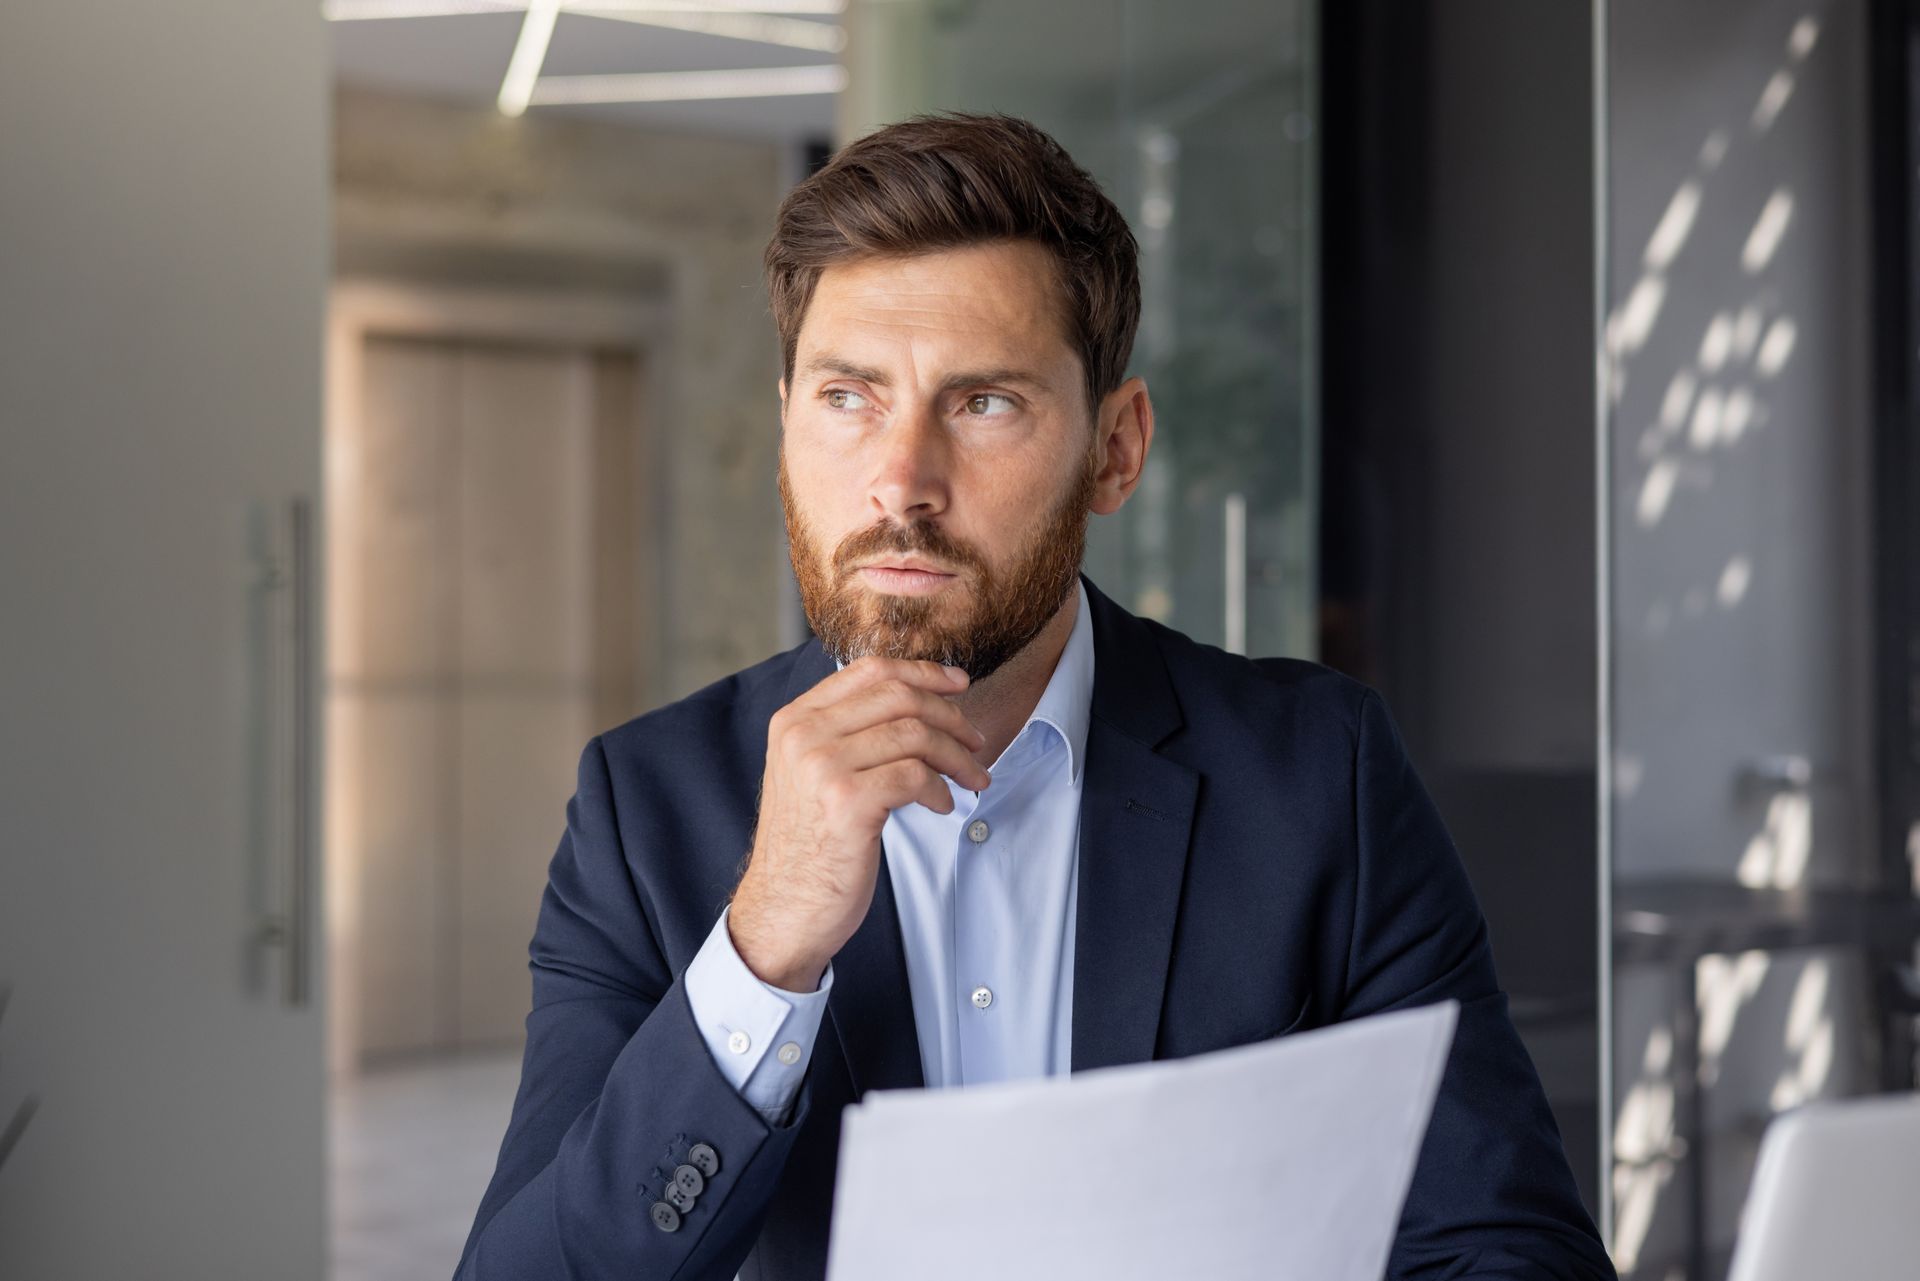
(986,897)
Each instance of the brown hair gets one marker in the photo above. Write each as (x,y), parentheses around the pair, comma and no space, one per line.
(949,179)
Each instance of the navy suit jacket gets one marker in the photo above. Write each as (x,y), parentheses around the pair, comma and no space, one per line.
(1257,857)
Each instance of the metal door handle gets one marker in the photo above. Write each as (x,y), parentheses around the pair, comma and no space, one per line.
(290,927)
(300,814)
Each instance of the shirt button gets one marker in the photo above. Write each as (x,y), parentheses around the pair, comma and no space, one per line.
(790,1052)
(982,997)
(977,830)
(739,1042)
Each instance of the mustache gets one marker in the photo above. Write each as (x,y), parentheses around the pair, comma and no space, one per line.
(921,538)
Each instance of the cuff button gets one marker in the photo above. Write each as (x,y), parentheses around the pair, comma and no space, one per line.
(689,1180)
(678,1197)
(704,1159)
(665,1217)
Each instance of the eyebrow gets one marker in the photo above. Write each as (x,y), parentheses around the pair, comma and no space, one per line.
(1006,375)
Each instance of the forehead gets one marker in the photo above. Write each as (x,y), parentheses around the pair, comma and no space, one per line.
(1000,299)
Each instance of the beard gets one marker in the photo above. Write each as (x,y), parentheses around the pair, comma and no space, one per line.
(1009,606)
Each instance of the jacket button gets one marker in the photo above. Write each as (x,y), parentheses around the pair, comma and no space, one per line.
(689,1180)
(665,1217)
(678,1197)
(704,1159)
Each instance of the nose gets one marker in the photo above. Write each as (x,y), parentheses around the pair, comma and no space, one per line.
(910,474)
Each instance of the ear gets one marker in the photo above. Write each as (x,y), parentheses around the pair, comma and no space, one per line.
(1123,426)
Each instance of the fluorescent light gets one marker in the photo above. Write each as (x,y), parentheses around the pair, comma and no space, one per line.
(685,86)
(529,54)
(792,33)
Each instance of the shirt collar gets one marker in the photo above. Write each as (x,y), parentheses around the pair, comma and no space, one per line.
(1067,701)
(1066,704)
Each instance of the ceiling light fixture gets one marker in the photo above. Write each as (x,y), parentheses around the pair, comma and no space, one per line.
(529,55)
(758,28)
(688,86)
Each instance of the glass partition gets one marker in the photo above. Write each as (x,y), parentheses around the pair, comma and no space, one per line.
(1763,915)
(1199,119)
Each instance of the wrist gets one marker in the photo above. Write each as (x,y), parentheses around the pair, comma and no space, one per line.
(769,962)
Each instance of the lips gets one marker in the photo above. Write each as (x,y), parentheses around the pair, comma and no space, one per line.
(909,581)
(909,566)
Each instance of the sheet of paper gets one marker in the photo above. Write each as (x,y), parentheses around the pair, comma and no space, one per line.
(1285,1159)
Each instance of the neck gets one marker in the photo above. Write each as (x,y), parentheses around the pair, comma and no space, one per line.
(1000,704)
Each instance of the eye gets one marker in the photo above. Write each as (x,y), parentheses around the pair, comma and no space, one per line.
(842,398)
(981,404)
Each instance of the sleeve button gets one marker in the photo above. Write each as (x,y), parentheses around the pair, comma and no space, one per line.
(704,1159)
(689,1180)
(665,1217)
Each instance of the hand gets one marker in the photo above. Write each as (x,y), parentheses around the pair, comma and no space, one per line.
(874,736)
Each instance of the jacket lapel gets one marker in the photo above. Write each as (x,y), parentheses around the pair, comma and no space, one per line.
(1136,814)
(871,1006)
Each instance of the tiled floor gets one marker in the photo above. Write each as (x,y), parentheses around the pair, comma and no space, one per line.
(412,1148)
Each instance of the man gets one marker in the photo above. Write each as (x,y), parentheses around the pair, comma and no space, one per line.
(995,826)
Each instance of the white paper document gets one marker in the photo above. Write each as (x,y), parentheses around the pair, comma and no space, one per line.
(1282,1160)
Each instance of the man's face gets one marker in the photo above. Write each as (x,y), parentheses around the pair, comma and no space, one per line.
(938,459)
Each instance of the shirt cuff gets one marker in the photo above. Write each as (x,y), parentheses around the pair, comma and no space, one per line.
(760,1036)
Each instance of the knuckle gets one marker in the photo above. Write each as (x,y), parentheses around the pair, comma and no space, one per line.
(838,792)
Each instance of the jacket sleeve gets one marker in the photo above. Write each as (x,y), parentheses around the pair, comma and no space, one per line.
(618,1092)
(1492,1195)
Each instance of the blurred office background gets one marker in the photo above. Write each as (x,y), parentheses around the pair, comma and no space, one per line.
(388,400)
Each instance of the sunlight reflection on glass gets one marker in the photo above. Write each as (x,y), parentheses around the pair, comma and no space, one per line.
(1716,343)
(1725,984)
(1776,857)
(1656,492)
(1633,322)
(1777,347)
(1810,1036)
(1679,399)
(1675,224)
(1734,581)
(1772,99)
(1643,1135)
(1706,419)
(1737,416)
(1768,230)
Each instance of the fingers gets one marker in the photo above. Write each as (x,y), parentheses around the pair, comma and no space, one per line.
(900,783)
(892,700)
(871,669)
(909,738)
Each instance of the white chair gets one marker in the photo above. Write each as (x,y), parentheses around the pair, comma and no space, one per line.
(1836,1194)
